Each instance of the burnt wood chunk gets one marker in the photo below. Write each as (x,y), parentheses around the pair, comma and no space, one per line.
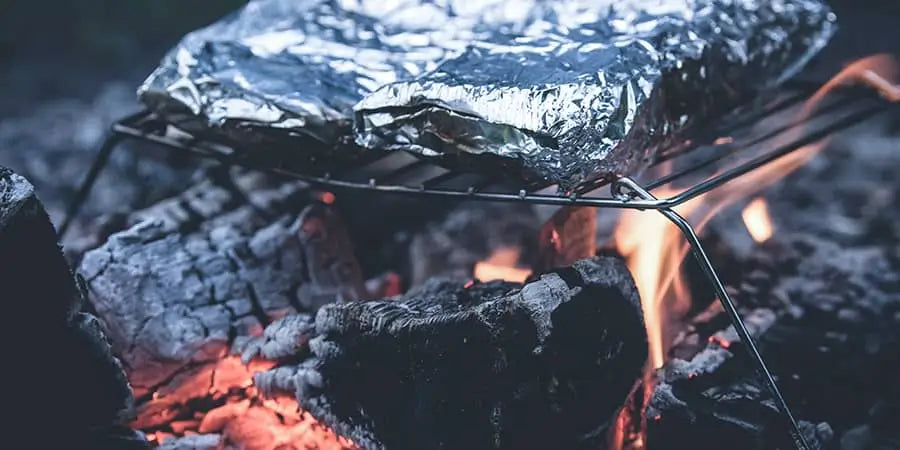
(493,365)
(206,270)
(826,319)
(33,266)
(285,337)
(173,301)
(713,400)
(63,372)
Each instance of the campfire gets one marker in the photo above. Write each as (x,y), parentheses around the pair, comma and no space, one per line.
(715,272)
(222,344)
(241,392)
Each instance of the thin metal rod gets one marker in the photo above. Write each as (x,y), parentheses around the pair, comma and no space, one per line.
(776,131)
(756,162)
(100,161)
(699,253)
(742,122)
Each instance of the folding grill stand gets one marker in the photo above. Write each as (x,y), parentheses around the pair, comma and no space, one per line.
(626,193)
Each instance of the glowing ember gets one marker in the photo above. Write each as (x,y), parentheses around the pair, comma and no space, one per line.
(501,265)
(723,140)
(236,411)
(757,220)
(327,198)
(720,341)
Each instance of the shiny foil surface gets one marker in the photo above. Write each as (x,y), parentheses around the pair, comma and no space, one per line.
(567,91)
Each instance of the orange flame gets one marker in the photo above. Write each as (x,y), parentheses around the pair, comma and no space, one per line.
(880,72)
(654,248)
(501,265)
(757,220)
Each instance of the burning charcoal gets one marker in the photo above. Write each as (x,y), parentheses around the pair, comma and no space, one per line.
(72,379)
(714,393)
(172,301)
(212,268)
(493,365)
(824,323)
(469,234)
(195,279)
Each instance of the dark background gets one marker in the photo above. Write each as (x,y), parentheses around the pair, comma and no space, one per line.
(58,48)
(53,48)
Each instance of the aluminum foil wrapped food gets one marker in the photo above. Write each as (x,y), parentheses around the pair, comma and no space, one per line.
(567,91)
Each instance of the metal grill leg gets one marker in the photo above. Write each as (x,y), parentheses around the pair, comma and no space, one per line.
(100,161)
(762,370)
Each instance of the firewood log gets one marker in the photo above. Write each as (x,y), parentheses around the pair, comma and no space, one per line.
(493,365)
(63,377)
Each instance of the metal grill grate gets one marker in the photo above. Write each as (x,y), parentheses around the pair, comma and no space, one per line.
(725,151)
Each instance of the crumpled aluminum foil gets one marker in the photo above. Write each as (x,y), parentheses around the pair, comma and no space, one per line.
(568,91)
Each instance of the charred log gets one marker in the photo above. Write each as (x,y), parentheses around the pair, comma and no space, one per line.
(542,365)
(202,272)
(72,379)
(714,400)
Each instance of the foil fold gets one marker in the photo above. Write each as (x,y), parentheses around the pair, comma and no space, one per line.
(567,91)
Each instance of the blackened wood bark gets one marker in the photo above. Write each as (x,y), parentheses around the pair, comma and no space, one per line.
(63,374)
(495,365)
